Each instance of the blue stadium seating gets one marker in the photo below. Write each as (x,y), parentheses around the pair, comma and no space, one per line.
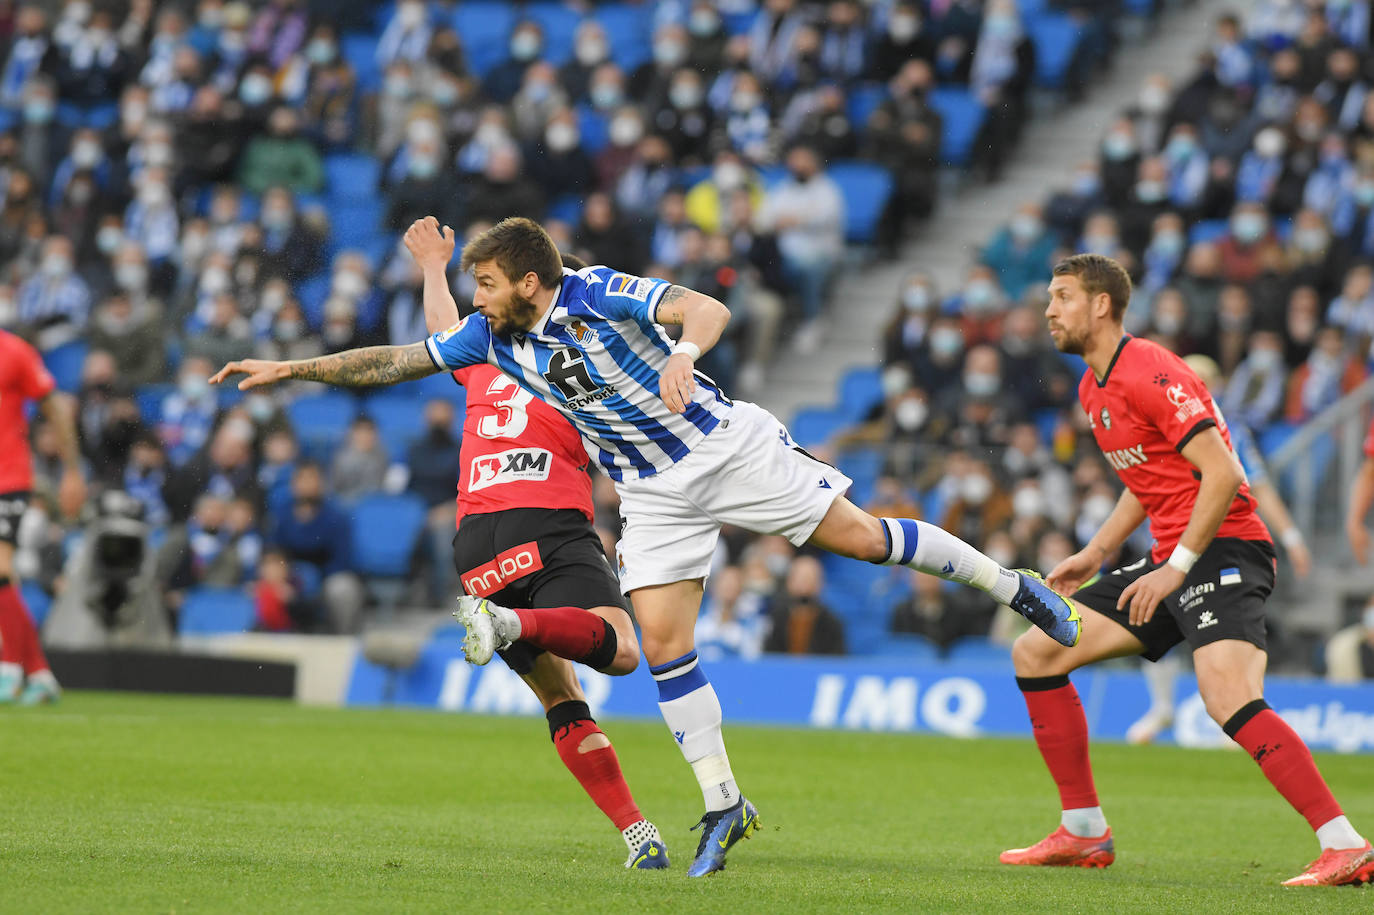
(963,119)
(629,29)
(64,364)
(976,649)
(484,28)
(560,24)
(311,294)
(37,600)
(361,52)
(215,611)
(439,385)
(815,425)
(400,420)
(355,223)
(385,531)
(149,399)
(861,389)
(321,421)
(351,176)
(909,647)
(594,128)
(863,101)
(567,208)
(866,188)
(1056,37)
(1208,230)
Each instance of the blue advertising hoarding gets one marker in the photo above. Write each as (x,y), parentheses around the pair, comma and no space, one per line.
(873,694)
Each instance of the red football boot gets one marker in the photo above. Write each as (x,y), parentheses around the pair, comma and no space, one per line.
(1062,848)
(1337,867)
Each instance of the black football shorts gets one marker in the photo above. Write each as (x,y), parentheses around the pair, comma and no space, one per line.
(534,557)
(1221,598)
(12,506)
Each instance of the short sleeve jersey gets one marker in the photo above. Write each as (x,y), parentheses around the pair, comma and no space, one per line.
(517,452)
(23,377)
(1143,413)
(596,355)
(1369,441)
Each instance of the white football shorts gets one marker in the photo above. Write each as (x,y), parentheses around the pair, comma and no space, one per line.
(748,472)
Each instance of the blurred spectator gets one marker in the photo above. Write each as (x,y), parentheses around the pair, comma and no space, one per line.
(907,37)
(145,475)
(55,303)
(942,612)
(407,34)
(133,336)
(1255,392)
(1020,252)
(224,468)
(282,158)
(224,336)
(707,201)
(500,192)
(526,47)
(801,623)
(732,620)
(282,605)
(433,463)
(1350,652)
(291,248)
(313,532)
(607,239)
(359,466)
(1329,372)
(807,212)
(1000,76)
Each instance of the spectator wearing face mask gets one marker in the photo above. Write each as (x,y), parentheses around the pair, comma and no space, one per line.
(1247,246)
(682,116)
(979,305)
(406,36)
(86,156)
(188,413)
(748,125)
(668,57)
(981,409)
(1261,170)
(144,477)
(1329,373)
(501,192)
(1026,353)
(91,67)
(1313,256)
(282,158)
(910,321)
(429,188)
(55,303)
(1353,310)
(539,99)
(359,466)
(133,337)
(973,504)
(226,335)
(591,49)
(1255,392)
(801,622)
(526,47)
(314,532)
(1020,252)
(291,249)
(558,164)
(1119,162)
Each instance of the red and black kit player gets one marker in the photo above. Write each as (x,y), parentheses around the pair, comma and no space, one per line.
(24,672)
(525,539)
(1211,569)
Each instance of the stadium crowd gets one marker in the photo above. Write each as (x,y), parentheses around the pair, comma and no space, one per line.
(1241,199)
(190,183)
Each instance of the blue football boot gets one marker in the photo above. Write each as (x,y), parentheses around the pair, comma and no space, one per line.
(1057,615)
(720,830)
(647,851)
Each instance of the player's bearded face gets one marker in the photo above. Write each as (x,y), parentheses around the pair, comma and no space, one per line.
(516,313)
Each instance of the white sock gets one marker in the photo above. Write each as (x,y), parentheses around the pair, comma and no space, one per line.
(692,712)
(1338,833)
(927,548)
(1084,822)
(1160,677)
(636,834)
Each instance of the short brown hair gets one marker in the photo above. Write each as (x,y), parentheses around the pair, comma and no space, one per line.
(1099,273)
(519,246)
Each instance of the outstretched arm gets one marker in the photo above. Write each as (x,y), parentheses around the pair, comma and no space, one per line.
(703,320)
(359,368)
(432,247)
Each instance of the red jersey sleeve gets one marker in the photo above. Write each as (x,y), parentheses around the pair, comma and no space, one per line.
(30,377)
(1369,441)
(1176,401)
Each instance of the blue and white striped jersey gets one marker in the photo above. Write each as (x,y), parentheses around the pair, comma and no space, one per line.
(596,355)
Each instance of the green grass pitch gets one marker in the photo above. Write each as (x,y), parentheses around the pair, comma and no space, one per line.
(119,803)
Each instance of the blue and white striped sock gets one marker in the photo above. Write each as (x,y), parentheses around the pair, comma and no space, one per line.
(692,712)
(927,548)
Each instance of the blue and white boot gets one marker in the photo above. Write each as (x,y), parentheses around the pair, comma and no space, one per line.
(647,851)
(721,829)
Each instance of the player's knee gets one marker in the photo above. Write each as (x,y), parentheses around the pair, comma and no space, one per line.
(1034,654)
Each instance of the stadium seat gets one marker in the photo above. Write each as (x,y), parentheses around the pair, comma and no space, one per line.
(361,52)
(594,129)
(149,399)
(311,294)
(440,385)
(861,389)
(815,425)
(567,208)
(1208,230)
(321,421)
(866,188)
(37,600)
(400,420)
(64,363)
(351,176)
(910,647)
(1056,37)
(560,24)
(963,119)
(863,101)
(216,611)
(629,30)
(976,649)
(485,29)
(355,223)
(385,531)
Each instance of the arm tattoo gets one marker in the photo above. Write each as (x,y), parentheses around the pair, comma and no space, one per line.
(367,367)
(669,311)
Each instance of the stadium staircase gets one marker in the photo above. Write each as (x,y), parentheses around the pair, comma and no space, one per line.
(967,217)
